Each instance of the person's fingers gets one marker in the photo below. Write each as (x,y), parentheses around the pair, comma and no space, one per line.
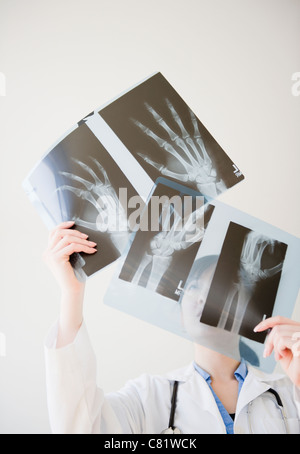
(279,339)
(296,335)
(75,247)
(271,322)
(296,348)
(70,238)
(55,238)
(282,344)
(62,225)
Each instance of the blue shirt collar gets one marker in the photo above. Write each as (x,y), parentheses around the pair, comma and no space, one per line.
(240,373)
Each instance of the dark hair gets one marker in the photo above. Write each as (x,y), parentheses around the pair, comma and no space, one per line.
(248,354)
(201,265)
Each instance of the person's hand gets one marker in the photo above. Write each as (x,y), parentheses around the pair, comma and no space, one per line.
(284,340)
(63,242)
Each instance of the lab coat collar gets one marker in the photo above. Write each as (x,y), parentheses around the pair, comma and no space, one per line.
(186,373)
(182,375)
(263,376)
(192,383)
(255,384)
(195,389)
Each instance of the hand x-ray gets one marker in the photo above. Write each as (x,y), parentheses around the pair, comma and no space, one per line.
(245,282)
(168,140)
(106,166)
(78,180)
(163,251)
(235,271)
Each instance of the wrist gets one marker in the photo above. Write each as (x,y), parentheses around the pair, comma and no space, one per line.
(74,293)
(71,315)
(71,307)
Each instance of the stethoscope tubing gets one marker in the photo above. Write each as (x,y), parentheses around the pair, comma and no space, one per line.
(272,391)
(173,405)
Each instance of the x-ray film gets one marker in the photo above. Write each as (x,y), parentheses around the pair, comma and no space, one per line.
(107,164)
(245,281)
(168,140)
(78,180)
(165,245)
(236,271)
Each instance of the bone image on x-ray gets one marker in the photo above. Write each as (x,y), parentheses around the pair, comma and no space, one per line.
(181,235)
(250,272)
(189,153)
(110,216)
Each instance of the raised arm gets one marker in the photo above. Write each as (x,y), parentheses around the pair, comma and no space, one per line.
(75,402)
(63,242)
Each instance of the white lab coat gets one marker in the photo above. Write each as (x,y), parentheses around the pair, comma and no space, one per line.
(77,405)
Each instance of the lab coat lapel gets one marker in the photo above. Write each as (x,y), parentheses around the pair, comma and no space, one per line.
(196,393)
(256,383)
(199,392)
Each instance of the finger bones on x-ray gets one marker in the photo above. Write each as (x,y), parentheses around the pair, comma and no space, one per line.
(163,245)
(110,216)
(250,273)
(189,152)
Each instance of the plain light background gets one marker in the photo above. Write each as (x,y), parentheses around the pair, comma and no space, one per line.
(231,60)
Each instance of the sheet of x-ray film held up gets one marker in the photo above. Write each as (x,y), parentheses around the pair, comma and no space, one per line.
(97,173)
(213,279)
(105,174)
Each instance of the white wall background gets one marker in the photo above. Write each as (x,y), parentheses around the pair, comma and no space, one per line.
(231,60)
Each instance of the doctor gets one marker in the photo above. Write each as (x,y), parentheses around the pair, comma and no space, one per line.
(215,394)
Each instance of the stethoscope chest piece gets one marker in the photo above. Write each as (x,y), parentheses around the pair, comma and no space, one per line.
(171,430)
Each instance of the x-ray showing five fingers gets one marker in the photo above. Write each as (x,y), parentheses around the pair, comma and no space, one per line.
(145,134)
(104,174)
(196,165)
(168,139)
(161,260)
(78,180)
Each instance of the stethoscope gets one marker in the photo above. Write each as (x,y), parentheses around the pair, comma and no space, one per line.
(171,429)
(277,401)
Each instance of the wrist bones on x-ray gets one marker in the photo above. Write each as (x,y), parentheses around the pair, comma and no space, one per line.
(110,216)
(189,152)
(250,273)
(251,259)
(181,235)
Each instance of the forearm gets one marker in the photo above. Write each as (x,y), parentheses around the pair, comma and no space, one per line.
(70,317)
(63,242)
